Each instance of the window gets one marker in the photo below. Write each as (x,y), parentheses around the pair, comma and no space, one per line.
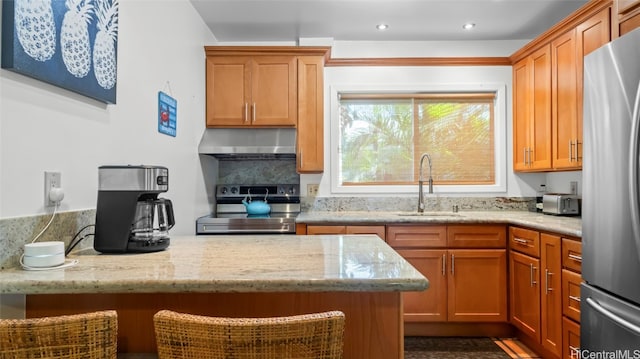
(382,137)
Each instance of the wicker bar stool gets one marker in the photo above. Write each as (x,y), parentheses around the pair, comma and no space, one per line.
(307,336)
(87,336)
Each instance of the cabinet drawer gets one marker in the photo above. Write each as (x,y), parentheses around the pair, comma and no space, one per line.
(570,339)
(571,294)
(378,230)
(321,229)
(475,236)
(572,254)
(525,241)
(417,236)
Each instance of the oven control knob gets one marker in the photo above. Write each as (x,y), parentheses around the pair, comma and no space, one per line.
(223,190)
(234,190)
(292,190)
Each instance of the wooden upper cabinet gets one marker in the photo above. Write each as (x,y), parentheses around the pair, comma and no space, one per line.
(251,91)
(565,102)
(547,93)
(310,137)
(532,111)
(628,15)
(521,103)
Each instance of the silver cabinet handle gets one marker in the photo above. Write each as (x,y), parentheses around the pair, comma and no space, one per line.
(521,241)
(614,317)
(578,157)
(246,112)
(531,269)
(444,265)
(574,298)
(253,119)
(546,281)
(571,151)
(301,159)
(575,257)
(453,264)
(524,154)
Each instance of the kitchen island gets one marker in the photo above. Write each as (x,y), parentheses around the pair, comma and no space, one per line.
(238,276)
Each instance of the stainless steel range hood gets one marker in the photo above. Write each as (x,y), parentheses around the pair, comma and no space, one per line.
(248,143)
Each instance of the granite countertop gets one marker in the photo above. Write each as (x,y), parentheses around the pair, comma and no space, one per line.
(265,263)
(570,226)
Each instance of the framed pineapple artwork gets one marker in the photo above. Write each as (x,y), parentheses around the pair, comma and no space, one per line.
(68,43)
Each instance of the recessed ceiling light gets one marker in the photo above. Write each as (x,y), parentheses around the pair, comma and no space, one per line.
(468,26)
(382,27)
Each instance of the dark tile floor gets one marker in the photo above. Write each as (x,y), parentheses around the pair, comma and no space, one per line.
(463,348)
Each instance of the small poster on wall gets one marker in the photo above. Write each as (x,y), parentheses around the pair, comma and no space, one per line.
(167,114)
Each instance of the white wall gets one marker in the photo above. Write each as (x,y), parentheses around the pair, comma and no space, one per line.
(42,127)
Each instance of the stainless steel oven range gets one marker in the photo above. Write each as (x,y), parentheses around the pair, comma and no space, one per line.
(231,215)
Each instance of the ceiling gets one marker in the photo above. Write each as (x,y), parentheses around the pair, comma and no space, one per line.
(355,20)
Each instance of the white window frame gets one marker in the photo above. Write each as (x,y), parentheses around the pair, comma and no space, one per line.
(500,137)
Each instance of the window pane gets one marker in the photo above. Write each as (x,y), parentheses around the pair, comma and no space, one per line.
(378,145)
(459,137)
(376,141)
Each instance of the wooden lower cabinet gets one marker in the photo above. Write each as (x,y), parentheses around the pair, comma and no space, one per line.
(429,305)
(477,285)
(465,285)
(524,293)
(570,339)
(536,293)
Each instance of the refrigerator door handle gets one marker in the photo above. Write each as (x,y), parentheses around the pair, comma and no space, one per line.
(635,329)
(633,173)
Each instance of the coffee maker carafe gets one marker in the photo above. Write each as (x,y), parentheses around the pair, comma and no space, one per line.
(129,216)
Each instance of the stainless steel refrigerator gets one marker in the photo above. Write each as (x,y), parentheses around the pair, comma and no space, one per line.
(610,296)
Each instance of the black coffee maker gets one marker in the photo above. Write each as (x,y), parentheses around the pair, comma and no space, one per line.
(129,216)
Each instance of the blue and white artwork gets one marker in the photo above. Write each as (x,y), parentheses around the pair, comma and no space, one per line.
(68,43)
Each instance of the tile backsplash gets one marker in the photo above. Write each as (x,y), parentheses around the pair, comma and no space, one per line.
(264,171)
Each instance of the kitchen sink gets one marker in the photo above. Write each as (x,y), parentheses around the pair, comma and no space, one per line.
(429,214)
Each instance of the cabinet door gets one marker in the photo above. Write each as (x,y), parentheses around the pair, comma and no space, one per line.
(477,285)
(521,120)
(590,35)
(551,293)
(429,305)
(274,91)
(540,143)
(524,279)
(228,90)
(310,135)
(532,111)
(564,101)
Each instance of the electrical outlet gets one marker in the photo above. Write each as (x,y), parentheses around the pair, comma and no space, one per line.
(574,187)
(51,180)
(312,189)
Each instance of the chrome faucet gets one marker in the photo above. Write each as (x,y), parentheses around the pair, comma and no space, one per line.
(421,181)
